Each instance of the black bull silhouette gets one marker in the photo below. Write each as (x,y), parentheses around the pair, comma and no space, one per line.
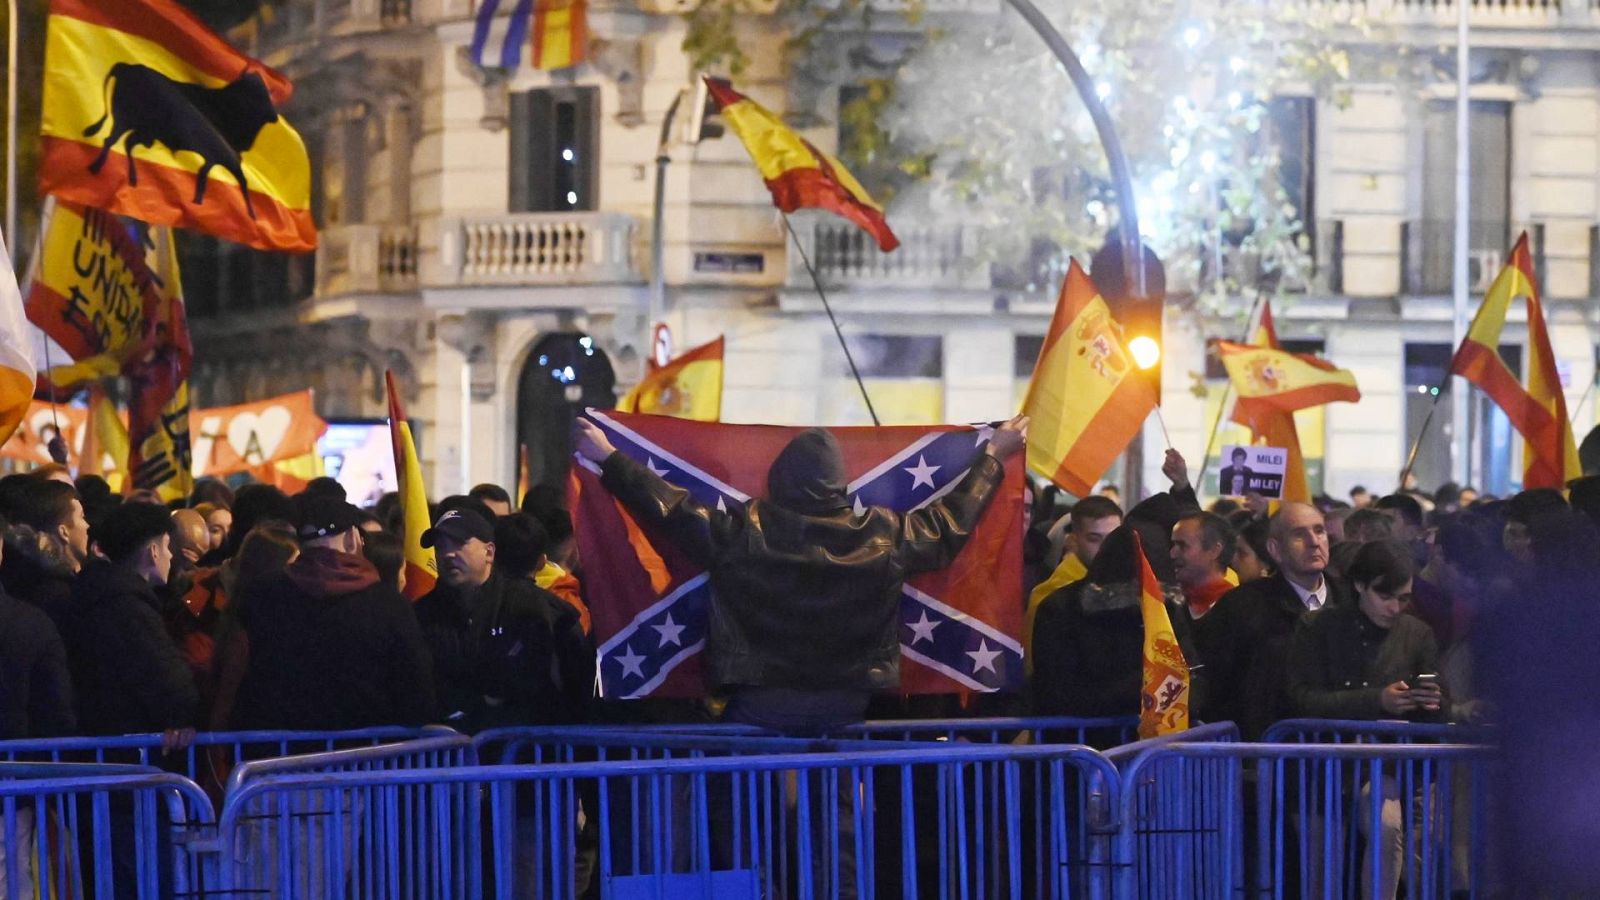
(218,124)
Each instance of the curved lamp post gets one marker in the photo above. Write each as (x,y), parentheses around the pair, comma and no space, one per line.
(1133,269)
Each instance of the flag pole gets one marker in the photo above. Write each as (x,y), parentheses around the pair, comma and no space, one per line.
(1416,445)
(1251,323)
(11,119)
(1461,437)
(828,308)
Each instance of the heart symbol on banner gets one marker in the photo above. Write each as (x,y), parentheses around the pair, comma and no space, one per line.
(256,436)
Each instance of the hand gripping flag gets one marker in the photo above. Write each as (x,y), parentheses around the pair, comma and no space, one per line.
(1274,427)
(689,387)
(797,173)
(1539,411)
(149,114)
(557,32)
(1164,689)
(422,567)
(16,360)
(958,626)
(1086,400)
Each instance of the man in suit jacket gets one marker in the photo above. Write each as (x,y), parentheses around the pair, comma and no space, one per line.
(1234,480)
(1244,640)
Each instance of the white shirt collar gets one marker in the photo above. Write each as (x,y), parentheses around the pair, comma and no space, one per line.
(1313,599)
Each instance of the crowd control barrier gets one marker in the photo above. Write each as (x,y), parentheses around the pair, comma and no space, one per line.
(1032,730)
(1360,731)
(211,755)
(918,823)
(1301,819)
(100,831)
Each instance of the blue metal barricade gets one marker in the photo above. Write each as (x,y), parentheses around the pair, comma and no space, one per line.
(1379,816)
(798,825)
(211,755)
(1033,730)
(1361,731)
(101,831)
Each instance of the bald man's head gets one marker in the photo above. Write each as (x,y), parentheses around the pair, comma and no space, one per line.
(1297,538)
(190,537)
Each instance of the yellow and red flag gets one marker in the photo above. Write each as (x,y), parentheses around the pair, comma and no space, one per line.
(149,114)
(1164,689)
(16,359)
(560,33)
(1273,427)
(689,387)
(105,441)
(1086,400)
(159,456)
(1268,379)
(1539,411)
(796,172)
(422,567)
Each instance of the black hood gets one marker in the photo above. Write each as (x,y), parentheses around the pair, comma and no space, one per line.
(808,475)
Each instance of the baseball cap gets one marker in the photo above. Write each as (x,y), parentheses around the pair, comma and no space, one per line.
(322,515)
(461,525)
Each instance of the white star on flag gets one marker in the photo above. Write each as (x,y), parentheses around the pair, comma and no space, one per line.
(923,630)
(650,463)
(722,505)
(985,432)
(860,509)
(983,657)
(670,632)
(630,662)
(921,473)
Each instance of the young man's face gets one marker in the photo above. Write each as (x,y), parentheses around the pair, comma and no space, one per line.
(1090,534)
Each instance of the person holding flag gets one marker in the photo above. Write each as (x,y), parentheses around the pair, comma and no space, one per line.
(806,588)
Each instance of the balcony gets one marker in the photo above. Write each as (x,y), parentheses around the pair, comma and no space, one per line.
(934,256)
(367,259)
(538,249)
(1428,254)
(1509,14)
(296,20)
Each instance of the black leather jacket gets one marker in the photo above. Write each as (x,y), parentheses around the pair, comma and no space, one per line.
(806,594)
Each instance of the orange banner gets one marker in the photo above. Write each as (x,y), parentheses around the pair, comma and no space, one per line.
(231,439)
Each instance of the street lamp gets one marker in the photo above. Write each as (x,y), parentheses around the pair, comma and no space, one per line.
(1141,295)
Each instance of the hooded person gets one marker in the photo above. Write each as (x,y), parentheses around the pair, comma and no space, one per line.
(1088,638)
(803,625)
(330,647)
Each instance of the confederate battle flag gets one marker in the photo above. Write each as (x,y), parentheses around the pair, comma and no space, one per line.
(958,626)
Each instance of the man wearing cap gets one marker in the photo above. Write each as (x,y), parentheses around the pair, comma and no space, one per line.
(127,672)
(330,646)
(505,651)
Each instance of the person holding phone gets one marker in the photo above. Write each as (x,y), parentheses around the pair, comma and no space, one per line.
(1369,660)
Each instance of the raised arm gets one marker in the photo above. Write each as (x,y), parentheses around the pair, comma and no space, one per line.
(696,528)
(931,537)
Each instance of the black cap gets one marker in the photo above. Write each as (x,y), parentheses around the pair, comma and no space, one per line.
(461,525)
(320,516)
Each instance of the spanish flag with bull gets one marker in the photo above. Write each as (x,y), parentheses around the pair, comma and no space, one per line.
(151,115)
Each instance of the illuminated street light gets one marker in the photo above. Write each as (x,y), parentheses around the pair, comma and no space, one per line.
(1146,351)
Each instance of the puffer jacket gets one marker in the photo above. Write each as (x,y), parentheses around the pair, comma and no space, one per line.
(806,593)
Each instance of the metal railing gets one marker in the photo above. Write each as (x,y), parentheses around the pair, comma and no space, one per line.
(933,256)
(1428,254)
(539,248)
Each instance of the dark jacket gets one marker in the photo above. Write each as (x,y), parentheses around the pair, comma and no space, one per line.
(331,648)
(1244,641)
(1089,649)
(36,570)
(1340,661)
(806,594)
(510,654)
(35,689)
(128,674)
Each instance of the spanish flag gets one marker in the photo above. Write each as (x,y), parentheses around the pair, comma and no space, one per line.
(16,360)
(1539,411)
(149,114)
(1086,400)
(1273,427)
(422,567)
(1164,689)
(160,457)
(560,33)
(797,173)
(689,387)
(1268,379)
(105,441)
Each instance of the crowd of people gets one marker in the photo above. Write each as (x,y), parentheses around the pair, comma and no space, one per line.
(257,610)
